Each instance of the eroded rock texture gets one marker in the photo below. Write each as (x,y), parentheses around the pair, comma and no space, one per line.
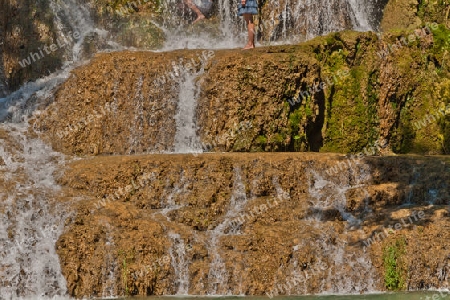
(252,223)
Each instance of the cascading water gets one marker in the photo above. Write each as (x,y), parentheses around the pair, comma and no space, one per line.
(110,266)
(217,272)
(186,137)
(69,17)
(280,22)
(293,21)
(331,245)
(30,221)
(179,264)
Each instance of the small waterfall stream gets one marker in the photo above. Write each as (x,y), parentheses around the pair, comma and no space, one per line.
(30,221)
(186,137)
(110,266)
(328,194)
(288,22)
(218,275)
(179,264)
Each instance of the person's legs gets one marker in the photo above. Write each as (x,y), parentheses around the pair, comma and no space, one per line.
(251,31)
(200,15)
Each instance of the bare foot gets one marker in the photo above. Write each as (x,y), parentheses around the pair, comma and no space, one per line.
(248,47)
(199,18)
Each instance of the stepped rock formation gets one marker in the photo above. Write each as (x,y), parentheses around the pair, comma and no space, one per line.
(363,93)
(127,216)
(244,224)
(27,27)
(247,223)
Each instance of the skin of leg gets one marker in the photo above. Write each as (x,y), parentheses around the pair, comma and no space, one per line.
(192,6)
(251,31)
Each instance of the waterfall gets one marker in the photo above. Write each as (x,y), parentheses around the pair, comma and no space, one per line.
(109,267)
(330,192)
(280,22)
(72,16)
(186,137)
(179,264)
(218,275)
(360,15)
(69,17)
(31,221)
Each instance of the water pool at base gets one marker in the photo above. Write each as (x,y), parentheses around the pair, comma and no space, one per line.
(436,295)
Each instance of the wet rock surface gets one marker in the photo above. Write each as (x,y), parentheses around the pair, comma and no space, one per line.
(346,92)
(252,224)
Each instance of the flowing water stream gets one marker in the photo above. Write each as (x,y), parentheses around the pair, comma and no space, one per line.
(396,296)
(31,220)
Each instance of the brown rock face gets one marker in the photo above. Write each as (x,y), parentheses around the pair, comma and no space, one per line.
(125,103)
(340,93)
(134,113)
(251,223)
(400,14)
(26,28)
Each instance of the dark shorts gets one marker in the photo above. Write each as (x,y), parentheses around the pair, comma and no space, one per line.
(205,6)
(251,7)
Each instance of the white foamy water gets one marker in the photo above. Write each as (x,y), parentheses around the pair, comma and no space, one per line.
(69,17)
(20,104)
(186,137)
(288,22)
(218,275)
(332,246)
(109,267)
(180,264)
(30,220)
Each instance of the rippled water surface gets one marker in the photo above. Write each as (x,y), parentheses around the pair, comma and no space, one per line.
(388,296)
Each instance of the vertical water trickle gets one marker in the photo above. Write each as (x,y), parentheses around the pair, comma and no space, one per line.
(281,194)
(360,15)
(331,245)
(109,267)
(180,264)
(218,275)
(168,202)
(186,137)
(410,188)
(137,129)
(31,218)
(73,17)
(230,22)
